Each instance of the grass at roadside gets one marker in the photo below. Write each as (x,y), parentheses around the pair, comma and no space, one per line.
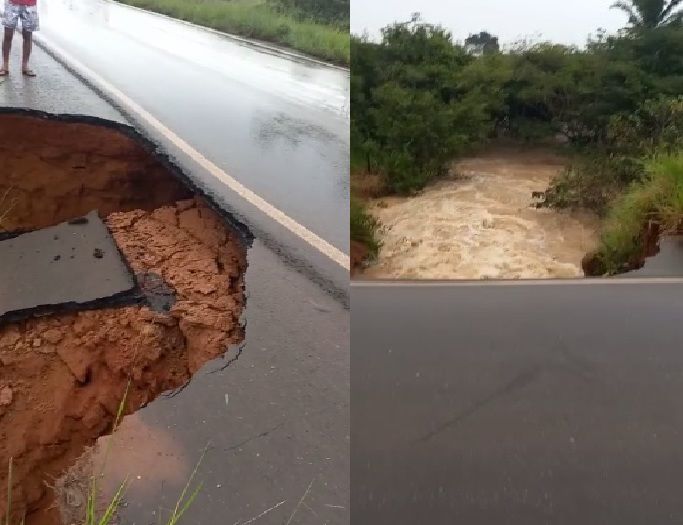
(363,231)
(659,197)
(93,517)
(365,243)
(259,20)
(108,516)
(6,205)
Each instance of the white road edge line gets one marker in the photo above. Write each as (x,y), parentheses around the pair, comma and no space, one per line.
(264,206)
(490,283)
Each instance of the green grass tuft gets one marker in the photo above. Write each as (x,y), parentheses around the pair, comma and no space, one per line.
(6,205)
(92,516)
(256,19)
(364,227)
(659,197)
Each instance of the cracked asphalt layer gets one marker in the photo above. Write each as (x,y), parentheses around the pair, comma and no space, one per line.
(276,420)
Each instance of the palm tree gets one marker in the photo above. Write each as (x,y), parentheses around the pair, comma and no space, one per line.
(650,13)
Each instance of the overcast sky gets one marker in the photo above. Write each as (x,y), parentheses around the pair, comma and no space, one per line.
(568,22)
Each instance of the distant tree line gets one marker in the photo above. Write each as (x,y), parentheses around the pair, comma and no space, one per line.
(419,99)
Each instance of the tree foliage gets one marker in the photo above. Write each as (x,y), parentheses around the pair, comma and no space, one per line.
(419,99)
(650,13)
(483,43)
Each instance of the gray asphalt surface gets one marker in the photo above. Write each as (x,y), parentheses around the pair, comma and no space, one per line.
(277,419)
(284,426)
(279,126)
(520,404)
(40,269)
(55,90)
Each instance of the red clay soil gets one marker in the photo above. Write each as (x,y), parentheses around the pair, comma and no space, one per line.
(54,171)
(63,377)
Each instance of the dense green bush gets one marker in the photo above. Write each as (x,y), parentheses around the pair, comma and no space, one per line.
(601,173)
(593,181)
(364,227)
(658,197)
(419,99)
(328,11)
(409,114)
(657,125)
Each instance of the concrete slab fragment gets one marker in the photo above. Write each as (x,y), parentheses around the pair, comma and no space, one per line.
(69,266)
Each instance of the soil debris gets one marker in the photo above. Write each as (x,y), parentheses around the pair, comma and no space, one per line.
(69,372)
(38,157)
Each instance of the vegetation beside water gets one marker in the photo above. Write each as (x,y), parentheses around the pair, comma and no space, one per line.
(364,228)
(658,197)
(319,28)
(420,100)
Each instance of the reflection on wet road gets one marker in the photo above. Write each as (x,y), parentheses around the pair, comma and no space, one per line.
(279,126)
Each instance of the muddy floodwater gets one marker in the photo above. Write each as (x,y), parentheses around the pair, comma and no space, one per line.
(480,223)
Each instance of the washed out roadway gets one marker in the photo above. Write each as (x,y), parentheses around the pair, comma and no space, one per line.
(276,125)
(276,419)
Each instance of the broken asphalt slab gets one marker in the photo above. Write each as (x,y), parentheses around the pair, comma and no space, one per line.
(73,265)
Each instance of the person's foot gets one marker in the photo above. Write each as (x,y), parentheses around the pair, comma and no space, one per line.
(4,72)
(28,72)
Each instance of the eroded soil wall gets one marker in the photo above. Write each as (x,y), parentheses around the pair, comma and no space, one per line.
(62,377)
(52,171)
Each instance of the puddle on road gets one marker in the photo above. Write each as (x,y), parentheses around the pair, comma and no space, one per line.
(146,457)
(482,225)
(63,376)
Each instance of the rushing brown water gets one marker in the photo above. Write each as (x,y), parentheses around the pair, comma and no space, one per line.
(481,225)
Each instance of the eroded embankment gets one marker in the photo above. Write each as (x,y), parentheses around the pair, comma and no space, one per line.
(62,377)
(482,224)
(58,170)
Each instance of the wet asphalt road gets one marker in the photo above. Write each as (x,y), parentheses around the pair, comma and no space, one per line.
(520,404)
(55,90)
(277,419)
(279,126)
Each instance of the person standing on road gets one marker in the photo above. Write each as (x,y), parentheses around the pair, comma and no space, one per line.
(27,12)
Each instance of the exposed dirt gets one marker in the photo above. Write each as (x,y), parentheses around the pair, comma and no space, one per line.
(144,456)
(63,377)
(54,171)
(482,224)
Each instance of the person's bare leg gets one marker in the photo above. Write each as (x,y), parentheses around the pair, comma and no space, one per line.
(28,45)
(6,48)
